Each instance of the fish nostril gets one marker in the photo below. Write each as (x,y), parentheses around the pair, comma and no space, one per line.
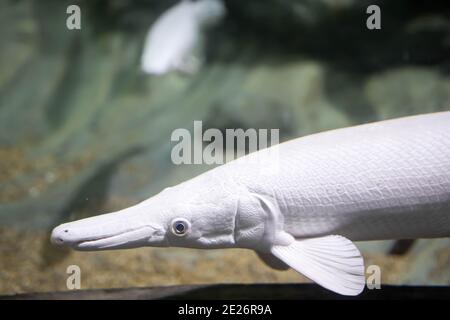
(60,240)
(66,230)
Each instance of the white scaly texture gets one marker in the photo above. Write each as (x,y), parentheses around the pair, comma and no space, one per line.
(384,180)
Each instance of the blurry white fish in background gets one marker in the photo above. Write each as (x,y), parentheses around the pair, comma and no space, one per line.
(176,35)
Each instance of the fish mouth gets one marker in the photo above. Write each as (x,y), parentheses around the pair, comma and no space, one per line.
(120,240)
(127,239)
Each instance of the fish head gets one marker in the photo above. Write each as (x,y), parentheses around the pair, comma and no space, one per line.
(181,216)
(206,222)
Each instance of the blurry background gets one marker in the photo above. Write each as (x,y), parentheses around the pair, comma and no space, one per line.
(83,131)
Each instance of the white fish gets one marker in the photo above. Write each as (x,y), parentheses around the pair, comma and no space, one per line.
(177,33)
(385,180)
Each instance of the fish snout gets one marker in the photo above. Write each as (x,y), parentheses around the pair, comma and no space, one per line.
(61,235)
(97,237)
(127,228)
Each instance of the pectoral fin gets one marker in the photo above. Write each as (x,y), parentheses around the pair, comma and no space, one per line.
(333,262)
(272,261)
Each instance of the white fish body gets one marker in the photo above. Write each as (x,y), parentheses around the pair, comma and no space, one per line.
(173,38)
(385,180)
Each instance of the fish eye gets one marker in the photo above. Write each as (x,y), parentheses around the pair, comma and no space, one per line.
(180,227)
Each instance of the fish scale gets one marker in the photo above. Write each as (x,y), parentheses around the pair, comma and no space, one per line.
(385,180)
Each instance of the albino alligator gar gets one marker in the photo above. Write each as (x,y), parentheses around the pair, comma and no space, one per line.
(175,36)
(385,180)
